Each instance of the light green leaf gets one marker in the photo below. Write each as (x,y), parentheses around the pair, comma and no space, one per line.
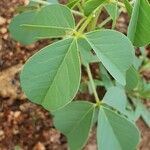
(137,62)
(106,79)
(132,79)
(141,111)
(52,76)
(52,1)
(75,122)
(49,22)
(139,27)
(144,89)
(85,51)
(96,83)
(145,114)
(128,7)
(112,10)
(116,98)
(112,48)
(91,5)
(115,132)
(44,1)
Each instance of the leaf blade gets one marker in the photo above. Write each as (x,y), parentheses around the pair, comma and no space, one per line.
(49,22)
(139,27)
(45,85)
(116,98)
(112,47)
(117,127)
(74,119)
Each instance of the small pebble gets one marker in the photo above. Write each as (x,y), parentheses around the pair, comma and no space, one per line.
(1,132)
(39,146)
(3,30)
(2,20)
(17,114)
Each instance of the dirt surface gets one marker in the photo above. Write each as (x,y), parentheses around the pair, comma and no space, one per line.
(21,122)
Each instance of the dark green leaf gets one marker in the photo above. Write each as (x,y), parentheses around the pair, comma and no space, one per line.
(72,3)
(128,7)
(91,5)
(139,27)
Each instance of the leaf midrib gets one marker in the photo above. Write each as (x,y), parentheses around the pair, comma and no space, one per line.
(111,127)
(55,76)
(78,122)
(47,27)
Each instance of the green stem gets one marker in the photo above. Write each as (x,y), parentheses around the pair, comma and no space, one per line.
(104,22)
(117,2)
(93,85)
(85,23)
(79,23)
(93,22)
(77,13)
(80,8)
(120,4)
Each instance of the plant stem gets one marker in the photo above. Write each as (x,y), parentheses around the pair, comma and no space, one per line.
(104,22)
(77,13)
(79,23)
(93,22)
(85,23)
(120,4)
(93,85)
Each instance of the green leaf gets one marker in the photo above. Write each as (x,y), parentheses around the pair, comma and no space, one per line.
(137,62)
(145,114)
(141,111)
(132,79)
(52,1)
(75,122)
(34,2)
(72,3)
(52,76)
(116,98)
(105,77)
(85,51)
(115,132)
(144,89)
(112,10)
(128,7)
(112,48)
(91,5)
(51,21)
(139,27)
